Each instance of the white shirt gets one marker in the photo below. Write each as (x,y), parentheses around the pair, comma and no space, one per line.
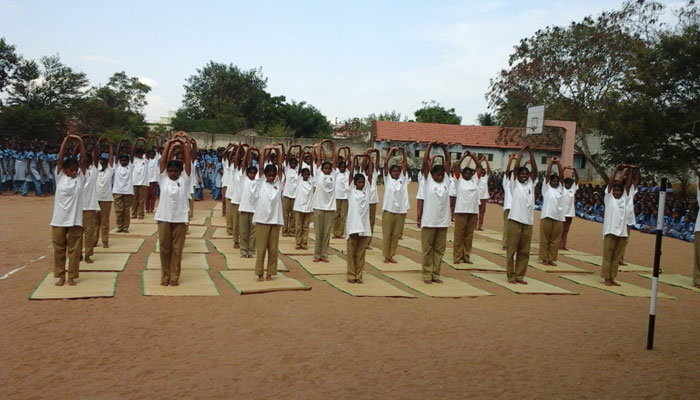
(153,168)
(90,190)
(506,191)
(522,201)
(484,187)
(396,194)
(174,205)
(552,202)
(103,185)
(341,184)
(629,213)
(436,204)
(373,195)
(697,219)
(615,215)
(421,183)
(290,182)
(123,183)
(466,193)
(268,210)
(68,201)
(358,213)
(236,187)
(140,171)
(324,196)
(570,200)
(305,191)
(225,175)
(249,194)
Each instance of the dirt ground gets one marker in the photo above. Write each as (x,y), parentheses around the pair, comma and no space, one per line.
(323,343)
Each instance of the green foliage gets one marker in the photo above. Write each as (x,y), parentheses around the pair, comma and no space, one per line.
(28,122)
(434,112)
(487,119)
(8,63)
(304,120)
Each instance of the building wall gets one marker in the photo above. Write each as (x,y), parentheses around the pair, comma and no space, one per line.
(213,141)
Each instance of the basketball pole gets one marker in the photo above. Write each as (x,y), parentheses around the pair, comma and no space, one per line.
(657,262)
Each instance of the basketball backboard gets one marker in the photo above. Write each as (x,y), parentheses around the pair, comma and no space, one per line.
(535,120)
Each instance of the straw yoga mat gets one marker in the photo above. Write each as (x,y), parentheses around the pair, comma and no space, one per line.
(371,287)
(404,264)
(560,267)
(236,262)
(573,252)
(533,287)
(491,235)
(121,245)
(218,221)
(220,233)
(448,288)
(106,262)
(245,282)
(490,247)
(90,284)
(225,246)
(479,263)
(332,241)
(189,261)
(598,261)
(217,207)
(198,221)
(290,250)
(191,246)
(138,230)
(201,213)
(192,283)
(681,281)
(148,219)
(626,289)
(196,232)
(335,265)
(410,243)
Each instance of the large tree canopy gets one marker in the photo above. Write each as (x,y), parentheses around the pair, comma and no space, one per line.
(434,112)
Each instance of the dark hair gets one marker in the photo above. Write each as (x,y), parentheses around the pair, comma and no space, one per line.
(618,185)
(521,169)
(358,177)
(437,169)
(70,163)
(270,168)
(393,167)
(139,150)
(88,158)
(124,156)
(305,170)
(553,176)
(252,168)
(293,159)
(323,164)
(467,170)
(568,181)
(342,164)
(175,163)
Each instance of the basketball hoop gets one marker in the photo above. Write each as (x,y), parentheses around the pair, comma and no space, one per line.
(535,120)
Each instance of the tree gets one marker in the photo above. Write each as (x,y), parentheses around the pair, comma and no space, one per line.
(8,63)
(578,72)
(304,120)
(49,83)
(434,112)
(124,93)
(487,119)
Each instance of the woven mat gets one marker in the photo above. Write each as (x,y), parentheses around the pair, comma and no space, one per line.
(198,221)
(410,243)
(491,235)
(218,221)
(598,261)
(625,289)
(189,261)
(201,213)
(106,262)
(196,232)
(121,245)
(148,219)
(191,246)
(332,242)
(220,233)
(192,283)
(137,230)
(237,263)
(449,288)
(218,206)
(533,287)
(572,252)
(335,265)
(371,287)
(290,250)
(678,280)
(90,284)
(404,264)
(479,263)
(245,282)
(560,267)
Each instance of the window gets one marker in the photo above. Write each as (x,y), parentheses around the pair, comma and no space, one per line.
(416,153)
(489,156)
(455,156)
(544,160)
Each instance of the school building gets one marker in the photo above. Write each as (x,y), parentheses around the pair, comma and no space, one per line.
(494,142)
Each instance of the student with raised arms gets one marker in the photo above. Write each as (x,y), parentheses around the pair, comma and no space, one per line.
(520,218)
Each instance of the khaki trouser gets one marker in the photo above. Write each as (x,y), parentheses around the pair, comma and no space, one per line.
(89,238)
(392,226)
(288,215)
(323,224)
(138,206)
(612,254)
(696,270)
(122,204)
(550,235)
(224,201)
(247,229)
(236,222)
(518,251)
(66,241)
(433,241)
(482,212)
(372,220)
(151,197)
(190,214)
(565,232)
(171,241)
(267,238)
(229,217)
(357,247)
(624,245)
(341,214)
(102,222)
(301,230)
(505,228)
(463,236)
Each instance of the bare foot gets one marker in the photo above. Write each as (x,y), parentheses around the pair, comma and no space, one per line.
(71,282)
(552,263)
(236,245)
(522,282)
(512,282)
(437,280)
(457,262)
(325,260)
(480,229)
(297,248)
(614,283)
(88,260)
(623,264)
(351,281)
(428,282)
(387,260)
(125,231)
(608,282)
(174,284)
(391,260)
(468,261)
(358,280)
(105,245)
(697,286)
(268,277)
(304,247)
(164,283)
(260,279)
(61,281)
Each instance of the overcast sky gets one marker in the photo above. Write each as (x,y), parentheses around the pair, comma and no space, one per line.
(348,58)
